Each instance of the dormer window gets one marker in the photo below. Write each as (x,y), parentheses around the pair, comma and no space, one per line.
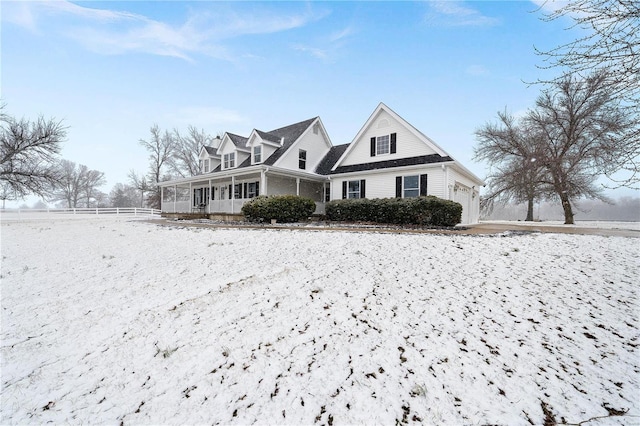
(206,166)
(257,154)
(382,145)
(230,160)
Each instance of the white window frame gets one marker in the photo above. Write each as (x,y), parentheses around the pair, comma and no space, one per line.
(257,154)
(380,141)
(353,193)
(415,189)
(302,162)
(230,160)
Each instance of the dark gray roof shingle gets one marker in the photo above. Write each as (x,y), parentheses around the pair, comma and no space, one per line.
(329,160)
(388,164)
(290,134)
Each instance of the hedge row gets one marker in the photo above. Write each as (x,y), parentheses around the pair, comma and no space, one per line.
(282,208)
(429,211)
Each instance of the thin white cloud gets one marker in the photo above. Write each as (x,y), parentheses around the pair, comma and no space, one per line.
(456,14)
(113,32)
(215,118)
(477,70)
(328,47)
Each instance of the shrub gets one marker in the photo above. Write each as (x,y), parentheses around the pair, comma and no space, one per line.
(429,211)
(283,208)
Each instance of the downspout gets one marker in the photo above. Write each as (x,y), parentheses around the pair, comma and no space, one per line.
(445,190)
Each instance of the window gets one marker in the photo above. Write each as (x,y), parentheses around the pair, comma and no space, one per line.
(253,189)
(302,159)
(230,160)
(353,189)
(223,191)
(237,191)
(206,166)
(382,145)
(411,186)
(257,154)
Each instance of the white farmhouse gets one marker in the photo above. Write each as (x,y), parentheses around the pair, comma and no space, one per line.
(387,158)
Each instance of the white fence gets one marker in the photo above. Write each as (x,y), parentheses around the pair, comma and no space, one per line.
(110,211)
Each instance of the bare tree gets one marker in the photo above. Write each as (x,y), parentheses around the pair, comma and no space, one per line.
(123,196)
(612,42)
(582,129)
(610,47)
(184,161)
(28,154)
(161,148)
(92,180)
(140,184)
(512,151)
(77,184)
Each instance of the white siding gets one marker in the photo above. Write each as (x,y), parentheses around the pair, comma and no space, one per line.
(315,145)
(408,145)
(382,183)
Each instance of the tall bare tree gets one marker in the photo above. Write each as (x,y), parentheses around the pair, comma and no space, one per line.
(611,46)
(582,130)
(77,185)
(576,133)
(511,149)
(123,195)
(140,184)
(28,154)
(161,147)
(184,161)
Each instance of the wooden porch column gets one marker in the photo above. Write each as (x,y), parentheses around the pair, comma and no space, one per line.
(190,198)
(175,196)
(298,186)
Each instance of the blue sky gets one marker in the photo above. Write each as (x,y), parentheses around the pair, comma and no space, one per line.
(112,69)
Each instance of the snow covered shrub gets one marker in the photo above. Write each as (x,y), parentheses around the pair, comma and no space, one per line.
(282,208)
(429,211)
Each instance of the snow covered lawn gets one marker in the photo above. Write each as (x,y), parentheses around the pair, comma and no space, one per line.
(106,320)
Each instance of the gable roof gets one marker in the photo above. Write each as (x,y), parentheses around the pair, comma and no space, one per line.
(288,135)
(381,106)
(324,167)
(238,141)
(268,136)
(210,150)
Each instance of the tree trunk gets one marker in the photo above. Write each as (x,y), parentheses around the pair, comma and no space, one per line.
(529,210)
(568,211)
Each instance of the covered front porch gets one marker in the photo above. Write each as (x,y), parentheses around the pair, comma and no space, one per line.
(216,194)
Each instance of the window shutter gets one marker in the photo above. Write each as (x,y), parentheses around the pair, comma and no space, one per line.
(245,191)
(230,192)
(398,186)
(344,189)
(362,190)
(393,143)
(257,188)
(373,147)
(423,185)
(213,192)
(194,196)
